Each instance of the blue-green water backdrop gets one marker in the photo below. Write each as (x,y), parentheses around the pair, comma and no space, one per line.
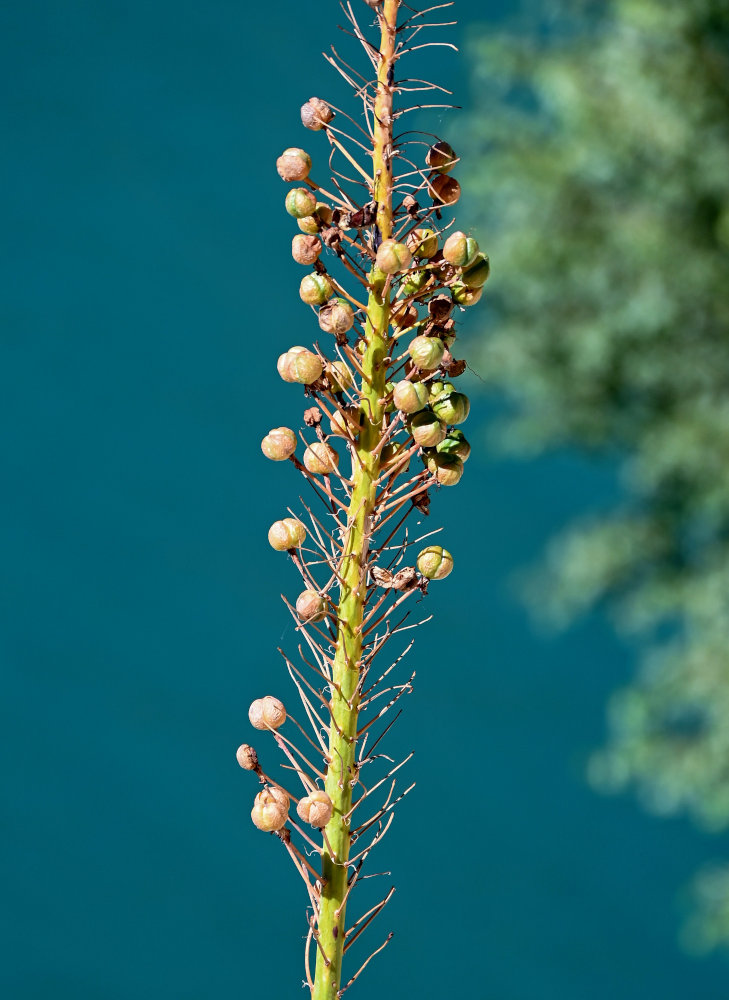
(147,290)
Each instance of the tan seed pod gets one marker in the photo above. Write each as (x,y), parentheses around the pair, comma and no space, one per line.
(311,607)
(247,757)
(286,534)
(270,809)
(293,164)
(447,469)
(279,444)
(427,430)
(305,249)
(338,376)
(315,289)
(315,114)
(321,459)
(345,424)
(315,808)
(284,361)
(426,352)
(267,713)
(460,249)
(435,562)
(310,225)
(336,317)
(393,257)
(444,189)
(304,367)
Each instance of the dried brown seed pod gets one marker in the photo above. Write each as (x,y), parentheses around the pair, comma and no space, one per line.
(286,534)
(270,809)
(435,562)
(305,249)
(267,713)
(315,114)
(393,257)
(315,808)
(321,459)
(311,607)
(336,317)
(441,157)
(293,164)
(279,444)
(247,757)
(444,190)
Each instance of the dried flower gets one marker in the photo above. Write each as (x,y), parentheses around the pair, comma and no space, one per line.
(441,157)
(315,808)
(293,164)
(305,249)
(426,429)
(279,444)
(336,317)
(286,534)
(444,189)
(315,114)
(393,257)
(315,289)
(270,809)
(435,562)
(247,757)
(311,606)
(267,713)
(300,202)
(410,397)
(426,352)
(460,249)
(447,469)
(422,243)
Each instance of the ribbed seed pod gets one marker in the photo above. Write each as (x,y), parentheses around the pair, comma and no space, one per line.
(267,713)
(393,257)
(310,225)
(345,424)
(311,607)
(315,289)
(422,243)
(321,459)
(270,809)
(392,457)
(286,534)
(315,114)
(455,443)
(447,469)
(460,249)
(336,317)
(300,202)
(476,274)
(293,164)
(305,249)
(426,352)
(410,397)
(415,282)
(426,429)
(452,408)
(435,562)
(465,296)
(444,190)
(441,157)
(279,444)
(305,367)
(315,808)
(284,360)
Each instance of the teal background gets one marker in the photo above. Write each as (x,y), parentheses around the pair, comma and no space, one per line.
(147,290)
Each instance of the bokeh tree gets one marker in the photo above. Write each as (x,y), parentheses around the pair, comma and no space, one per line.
(600,143)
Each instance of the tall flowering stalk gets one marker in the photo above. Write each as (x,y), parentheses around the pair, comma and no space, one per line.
(392,410)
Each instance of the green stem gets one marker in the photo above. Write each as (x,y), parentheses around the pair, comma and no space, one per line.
(342,771)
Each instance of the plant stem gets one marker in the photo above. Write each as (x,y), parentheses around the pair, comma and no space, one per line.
(342,772)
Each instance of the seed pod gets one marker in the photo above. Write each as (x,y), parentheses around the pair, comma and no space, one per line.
(426,352)
(465,296)
(447,469)
(392,457)
(426,429)
(435,562)
(452,408)
(315,114)
(444,190)
(247,757)
(293,164)
(305,249)
(441,157)
(324,213)
(284,361)
(393,257)
(410,397)
(455,443)
(310,225)
(422,243)
(270,809)
(476,274)
(403,316)
(311,607)
(415,282)
(321,459)
(300,202)
(286,534)
(345,424)
(304,367)
(267,713)
(460,250)
(315,289)
(315,808)
(339,376)
(336,317)
(279,444)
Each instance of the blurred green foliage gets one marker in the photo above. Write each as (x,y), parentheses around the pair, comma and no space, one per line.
(600,148)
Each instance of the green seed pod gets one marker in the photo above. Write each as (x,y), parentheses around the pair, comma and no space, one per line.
(315,289)
(426,352)
(426,429)
(410,397)
(455,443)
(476,274)
(441,157)
(293,164)
(321,459)
(447,469)
(315,114)
(444,190)
(460,250)
(247,757)
(465,296)
(452,408)
(305,249)
(311,607)
(279,444)
(267,713)
(336,317)
(393,257)
(286,534)
(270,809)
(304,367)
(438,390)
(422,243)
(323,213)
(315,808)
(415,282)
(345,424)
(300,202)
(435,562)
(310,225)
